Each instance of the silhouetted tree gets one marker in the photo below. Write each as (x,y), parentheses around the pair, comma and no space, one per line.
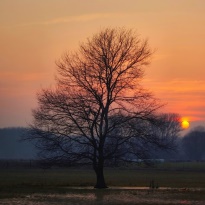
(98,104)
(193,144)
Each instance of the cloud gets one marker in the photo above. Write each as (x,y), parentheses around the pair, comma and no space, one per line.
(177,85)
(70,19)
(185,97)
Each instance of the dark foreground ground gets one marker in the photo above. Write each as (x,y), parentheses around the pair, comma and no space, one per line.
(175,183)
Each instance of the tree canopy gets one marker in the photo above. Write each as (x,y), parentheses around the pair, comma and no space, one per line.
(98,109)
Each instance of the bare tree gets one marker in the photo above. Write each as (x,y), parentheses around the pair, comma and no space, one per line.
(97,101)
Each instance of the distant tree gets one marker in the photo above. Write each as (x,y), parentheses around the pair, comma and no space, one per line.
(193,144)
(145,137)
(98,104)
(169,131)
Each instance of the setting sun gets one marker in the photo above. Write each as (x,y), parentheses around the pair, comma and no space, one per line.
(185,124)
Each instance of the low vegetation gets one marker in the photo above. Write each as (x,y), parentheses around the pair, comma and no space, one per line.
(174,182)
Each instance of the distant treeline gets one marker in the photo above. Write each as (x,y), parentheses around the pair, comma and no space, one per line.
(19,163)
(12,147)
(190,147)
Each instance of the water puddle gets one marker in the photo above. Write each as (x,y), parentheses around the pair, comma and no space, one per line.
(113,195)
(137,188)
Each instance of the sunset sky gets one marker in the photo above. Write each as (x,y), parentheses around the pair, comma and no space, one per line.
(35,33)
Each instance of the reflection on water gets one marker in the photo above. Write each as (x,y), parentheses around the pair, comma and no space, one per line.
(137,188)
(79,196)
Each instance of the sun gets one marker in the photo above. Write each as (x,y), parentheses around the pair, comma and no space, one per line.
(185,124)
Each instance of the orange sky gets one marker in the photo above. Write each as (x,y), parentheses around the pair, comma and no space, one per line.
(35,33)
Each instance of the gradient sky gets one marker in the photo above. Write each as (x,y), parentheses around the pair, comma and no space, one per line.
(35,33)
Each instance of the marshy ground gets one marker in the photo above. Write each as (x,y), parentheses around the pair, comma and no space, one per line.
(175,183)
(111,196)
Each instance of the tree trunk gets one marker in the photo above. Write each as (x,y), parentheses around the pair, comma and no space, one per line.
(98,165)
(100,184)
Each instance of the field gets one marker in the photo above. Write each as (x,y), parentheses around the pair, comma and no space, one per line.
(176,183)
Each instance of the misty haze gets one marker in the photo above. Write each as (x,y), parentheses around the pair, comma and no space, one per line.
(102,102)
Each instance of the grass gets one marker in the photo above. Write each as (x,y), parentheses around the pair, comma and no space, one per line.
(37,185)
(176,175)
